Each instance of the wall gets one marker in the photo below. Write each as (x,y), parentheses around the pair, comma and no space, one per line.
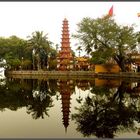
(110,68)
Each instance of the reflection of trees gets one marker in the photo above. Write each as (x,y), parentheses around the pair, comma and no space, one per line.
(35,94)
(38,108)
(9,95)
(83,84)
(53,86)
(40,100)
(106,113)
(79,99)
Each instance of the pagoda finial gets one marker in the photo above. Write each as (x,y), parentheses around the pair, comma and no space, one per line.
(65,19)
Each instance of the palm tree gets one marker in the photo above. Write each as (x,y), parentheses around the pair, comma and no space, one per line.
(40,48)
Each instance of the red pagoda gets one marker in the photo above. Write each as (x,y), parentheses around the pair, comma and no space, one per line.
(65,58)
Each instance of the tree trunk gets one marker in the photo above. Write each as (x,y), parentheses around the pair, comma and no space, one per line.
(120,62)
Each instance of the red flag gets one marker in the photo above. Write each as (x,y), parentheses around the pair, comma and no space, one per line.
(110,12)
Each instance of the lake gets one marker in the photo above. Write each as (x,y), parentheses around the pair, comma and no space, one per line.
(69,108)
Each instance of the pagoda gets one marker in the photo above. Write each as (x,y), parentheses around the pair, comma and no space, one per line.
(65,58)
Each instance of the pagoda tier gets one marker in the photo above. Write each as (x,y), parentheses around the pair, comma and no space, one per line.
(65,40)
(65,30)
(65,58)
(65,44)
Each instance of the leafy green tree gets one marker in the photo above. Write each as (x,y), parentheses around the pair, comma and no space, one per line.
(17,46)
(26,64)
(12,50)
(27,54)
(40,46)
(14,64)
(105,38)
(138,36)
(52,61)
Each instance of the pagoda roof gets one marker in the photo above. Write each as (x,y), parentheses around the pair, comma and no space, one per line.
(83,59)
(65,61)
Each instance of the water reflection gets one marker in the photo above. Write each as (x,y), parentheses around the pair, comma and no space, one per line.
(108,109)
(108,112)
(66,89)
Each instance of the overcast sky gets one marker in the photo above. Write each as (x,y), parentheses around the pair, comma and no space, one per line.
(23,18)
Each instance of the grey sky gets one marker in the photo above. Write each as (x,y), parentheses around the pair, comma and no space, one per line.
(23,18)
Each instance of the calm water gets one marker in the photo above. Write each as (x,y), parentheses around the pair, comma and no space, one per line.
(69,108)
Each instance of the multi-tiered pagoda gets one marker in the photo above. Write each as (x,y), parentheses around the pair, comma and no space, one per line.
(65,58)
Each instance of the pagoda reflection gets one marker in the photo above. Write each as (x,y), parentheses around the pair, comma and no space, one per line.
(66,89)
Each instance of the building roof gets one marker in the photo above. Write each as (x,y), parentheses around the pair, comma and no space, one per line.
(82,59)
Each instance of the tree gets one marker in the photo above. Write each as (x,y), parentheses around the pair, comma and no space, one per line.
(12,50)
(26,64)
(14,63)
(105,38)
(52,61)
(40,49)
(33,51)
